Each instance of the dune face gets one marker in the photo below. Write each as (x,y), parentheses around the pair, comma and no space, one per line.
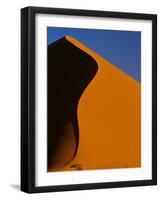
(70,70)
(102,129)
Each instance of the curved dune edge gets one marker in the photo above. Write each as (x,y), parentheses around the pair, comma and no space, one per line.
(69,73)
(98,58)
(109,115)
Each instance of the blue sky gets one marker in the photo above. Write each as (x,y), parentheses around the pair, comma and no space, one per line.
(121,48)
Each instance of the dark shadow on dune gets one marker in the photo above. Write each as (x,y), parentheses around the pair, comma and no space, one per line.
(70,70)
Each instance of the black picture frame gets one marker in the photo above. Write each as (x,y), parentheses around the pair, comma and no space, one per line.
(28,98)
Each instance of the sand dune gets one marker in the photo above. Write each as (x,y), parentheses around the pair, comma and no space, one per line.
(109,117)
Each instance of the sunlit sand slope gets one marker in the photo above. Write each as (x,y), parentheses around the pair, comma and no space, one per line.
(109,117)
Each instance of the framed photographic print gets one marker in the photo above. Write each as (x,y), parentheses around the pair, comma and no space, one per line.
(88,99)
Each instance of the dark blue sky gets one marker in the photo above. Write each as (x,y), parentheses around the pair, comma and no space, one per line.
(121,48)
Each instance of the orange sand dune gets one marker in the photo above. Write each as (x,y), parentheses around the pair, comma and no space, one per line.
(109,117)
